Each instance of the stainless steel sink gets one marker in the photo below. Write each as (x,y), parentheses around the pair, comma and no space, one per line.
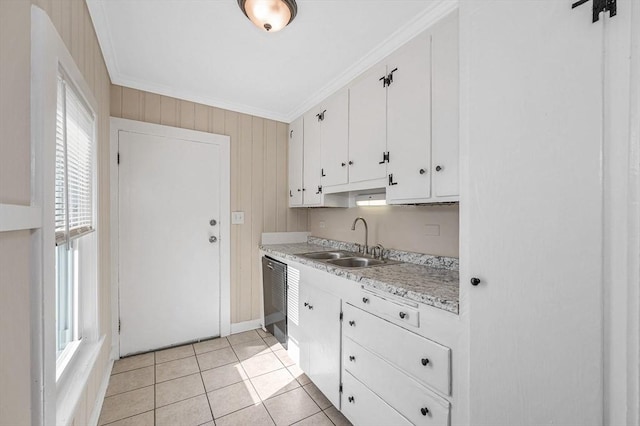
(327,255)
(356,262)
(345,259)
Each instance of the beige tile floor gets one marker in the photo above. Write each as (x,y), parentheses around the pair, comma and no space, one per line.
(245,379)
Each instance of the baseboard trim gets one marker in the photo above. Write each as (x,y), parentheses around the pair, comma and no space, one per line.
(102,391)
(239,327)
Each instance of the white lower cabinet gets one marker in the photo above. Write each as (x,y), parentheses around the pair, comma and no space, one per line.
(319,321)
(371,354)
(412,400)
(423,359)
(363,407)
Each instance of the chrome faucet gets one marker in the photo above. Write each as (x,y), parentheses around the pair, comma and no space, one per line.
(366,233)
(378,252)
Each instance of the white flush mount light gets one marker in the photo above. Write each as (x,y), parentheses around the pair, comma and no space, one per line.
(269,15)
(371,200)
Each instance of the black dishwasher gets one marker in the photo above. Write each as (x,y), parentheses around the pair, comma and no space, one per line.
(274,283)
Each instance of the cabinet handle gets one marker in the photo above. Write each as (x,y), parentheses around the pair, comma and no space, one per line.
(402,315)
(438,168)
(365,300)
(475,281)
(352,358)
(352,323)
(344,164)
(299,190)
(350,163)
(304,189)
(425,361)
(352,400)
(423,171)
(213,222)
(424,411)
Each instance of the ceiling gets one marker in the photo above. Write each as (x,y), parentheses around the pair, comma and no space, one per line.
(207,51)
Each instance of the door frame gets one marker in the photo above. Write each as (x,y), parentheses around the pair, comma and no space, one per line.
(224,143)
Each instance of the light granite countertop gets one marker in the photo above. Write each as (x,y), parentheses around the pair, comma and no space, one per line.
(434,286)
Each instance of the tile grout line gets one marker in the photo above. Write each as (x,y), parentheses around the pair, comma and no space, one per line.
(128,417)
(206,395)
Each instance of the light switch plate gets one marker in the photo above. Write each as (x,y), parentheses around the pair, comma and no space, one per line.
(237,218)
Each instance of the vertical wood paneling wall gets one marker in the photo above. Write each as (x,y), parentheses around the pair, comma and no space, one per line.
(258,179)
(72,21)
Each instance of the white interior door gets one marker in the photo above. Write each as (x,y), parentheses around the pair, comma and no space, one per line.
(169,261)
(532,202)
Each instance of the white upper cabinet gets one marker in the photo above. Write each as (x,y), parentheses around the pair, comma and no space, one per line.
(445,108)
(335,139)
(393,127)
(312,171)
(368,126)
(422,117)
(409,121)
(296,150)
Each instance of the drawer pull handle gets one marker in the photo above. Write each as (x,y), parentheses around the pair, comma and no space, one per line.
(352,400)
(425,361)
(352,323)
(306,304)
(365,300)
(403,315)
(352,358)
(424,411)
(310,307)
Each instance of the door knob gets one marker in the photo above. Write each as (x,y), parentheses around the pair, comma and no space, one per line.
(213,239)
(475,281)
(422,171)
(213,222)
(424,411)
(438,168)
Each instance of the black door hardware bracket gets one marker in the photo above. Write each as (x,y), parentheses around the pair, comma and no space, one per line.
(598,7)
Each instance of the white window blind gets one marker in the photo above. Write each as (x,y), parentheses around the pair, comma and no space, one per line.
(74,164)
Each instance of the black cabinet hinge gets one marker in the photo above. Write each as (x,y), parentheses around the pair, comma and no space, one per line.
(118,158)
(322,173)
(119,326)
(340,388)
(599,6)
(321,115)
(391,182)
(341,316)
(385,158)
(319,189)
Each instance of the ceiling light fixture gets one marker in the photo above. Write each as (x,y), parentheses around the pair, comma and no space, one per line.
(269,15)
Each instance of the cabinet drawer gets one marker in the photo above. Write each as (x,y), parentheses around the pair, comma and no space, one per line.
(363,407)
(423,359)
(391,310)
(415,402)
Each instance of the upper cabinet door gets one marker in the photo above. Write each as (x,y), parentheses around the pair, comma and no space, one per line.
(296,136)
(335,139)
(409,121)
(312,169)
(368,126)
(445,108)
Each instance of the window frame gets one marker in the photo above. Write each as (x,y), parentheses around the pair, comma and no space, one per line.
(54,400)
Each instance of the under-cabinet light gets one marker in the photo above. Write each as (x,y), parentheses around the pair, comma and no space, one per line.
(371,200)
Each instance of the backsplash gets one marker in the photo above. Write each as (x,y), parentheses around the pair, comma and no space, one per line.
(440,262)
(422,229)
